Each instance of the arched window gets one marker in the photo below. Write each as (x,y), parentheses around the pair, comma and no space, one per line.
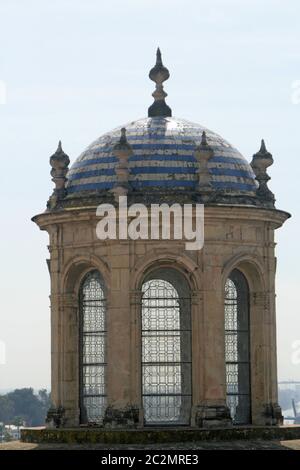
(237,347)
(166,349)
(92,349)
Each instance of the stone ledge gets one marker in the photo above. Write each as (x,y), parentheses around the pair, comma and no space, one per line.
(156,435)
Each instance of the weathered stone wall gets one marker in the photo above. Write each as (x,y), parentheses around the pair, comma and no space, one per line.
(235,237)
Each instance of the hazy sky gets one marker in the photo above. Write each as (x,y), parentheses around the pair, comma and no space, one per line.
(74,69)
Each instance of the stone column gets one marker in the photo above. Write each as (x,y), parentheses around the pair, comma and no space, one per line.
(70,359)
(265,408)
(273,413)
(212,410)
(64,409)
(197,354)
(136,354)
(121,412)
(55,415)
(259,357)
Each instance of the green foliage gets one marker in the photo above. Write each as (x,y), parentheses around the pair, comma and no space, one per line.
(23,405)
(18,421)
(6,409)
(7,437)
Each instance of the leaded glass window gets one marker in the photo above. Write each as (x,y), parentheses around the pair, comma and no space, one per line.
(237,347)
(92,349)
(166,353)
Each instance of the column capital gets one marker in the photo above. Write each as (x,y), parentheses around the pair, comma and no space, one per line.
(260,299)
(196,296)
(135,297)
(65,300)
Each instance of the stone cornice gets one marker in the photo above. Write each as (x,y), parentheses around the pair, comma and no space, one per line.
(212,213)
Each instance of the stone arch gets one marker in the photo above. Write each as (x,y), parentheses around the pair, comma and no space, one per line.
(250,266)
(165,317)
(260,318)
(71,279)
(153,261)
(156,260)
(78,267)
(237,347)
(92,332)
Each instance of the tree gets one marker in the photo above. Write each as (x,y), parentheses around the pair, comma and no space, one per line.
(18,421)
(6,409)
(7,437)
(24,405)
(2,432)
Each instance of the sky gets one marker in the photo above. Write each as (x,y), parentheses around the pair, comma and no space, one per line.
(72,70)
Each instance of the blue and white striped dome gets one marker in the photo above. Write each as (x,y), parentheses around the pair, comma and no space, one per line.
(163,159)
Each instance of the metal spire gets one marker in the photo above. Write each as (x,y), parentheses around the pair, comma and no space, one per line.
(159,73)
(263,148)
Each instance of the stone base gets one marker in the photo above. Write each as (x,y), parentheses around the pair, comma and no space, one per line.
(154,435)
(121,418)
(55,417)
(209,416)
(272,414)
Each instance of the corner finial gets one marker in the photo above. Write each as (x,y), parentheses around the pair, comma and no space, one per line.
(59,163)
(123,138)
(159,74)
(122,150)
(260,162)
(122,144)
(203,139)
(203,153)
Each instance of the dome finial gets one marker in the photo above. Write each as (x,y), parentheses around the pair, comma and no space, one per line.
(159,73)
(158,57)
(263,148)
